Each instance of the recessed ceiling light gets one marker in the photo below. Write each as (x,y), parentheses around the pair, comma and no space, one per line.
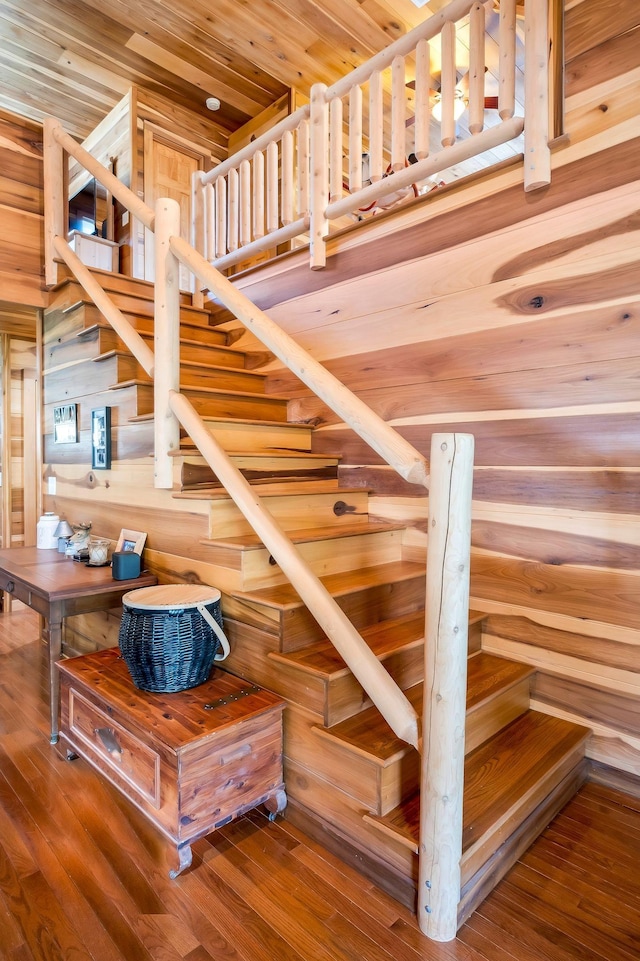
(212,103)
(419,3)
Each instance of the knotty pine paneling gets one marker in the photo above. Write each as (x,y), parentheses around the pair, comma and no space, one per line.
(21,213)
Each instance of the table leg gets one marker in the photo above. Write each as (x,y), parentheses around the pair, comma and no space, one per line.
(55,652)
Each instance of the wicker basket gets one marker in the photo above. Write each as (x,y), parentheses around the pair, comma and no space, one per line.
(170,635)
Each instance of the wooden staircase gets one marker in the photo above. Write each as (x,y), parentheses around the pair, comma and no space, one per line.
(350,781)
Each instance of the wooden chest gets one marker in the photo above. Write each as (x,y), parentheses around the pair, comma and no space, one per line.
(191,760)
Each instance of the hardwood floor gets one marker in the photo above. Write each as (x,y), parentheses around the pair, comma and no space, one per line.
(83,876)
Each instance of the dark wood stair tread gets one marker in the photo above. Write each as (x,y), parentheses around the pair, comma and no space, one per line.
(322,659)
(252,542)
(368,733)
(284,597)
(497,775)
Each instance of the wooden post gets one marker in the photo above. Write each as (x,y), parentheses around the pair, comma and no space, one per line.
(166,341)
(448,84)
(355,140)
(198,231)
(55,208)
(476,69)
(537,157)
(376,127)
(319,175)
(445,686)
(287,177)
(398,114)
(507,51)
(335,149)
(422,103)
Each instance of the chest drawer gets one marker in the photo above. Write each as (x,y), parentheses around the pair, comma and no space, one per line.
(113,749)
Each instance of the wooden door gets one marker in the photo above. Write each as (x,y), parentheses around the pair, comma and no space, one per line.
(169,165)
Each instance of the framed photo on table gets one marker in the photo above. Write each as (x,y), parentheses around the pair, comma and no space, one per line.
(101,438)
(131,541)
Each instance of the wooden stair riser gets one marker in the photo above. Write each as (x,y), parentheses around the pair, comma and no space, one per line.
(191,352)
(331,696)
(364,603)
(476,888)
(191,470)
(260,437)
(219,403)
(475,854)
(125,367)
(384,782)
(291,513)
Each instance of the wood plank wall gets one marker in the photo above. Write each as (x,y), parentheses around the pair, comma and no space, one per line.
(517,318)
(21,262)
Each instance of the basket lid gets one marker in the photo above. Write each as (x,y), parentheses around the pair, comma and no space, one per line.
(166,597)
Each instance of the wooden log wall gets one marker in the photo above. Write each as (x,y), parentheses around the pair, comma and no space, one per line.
(516,318)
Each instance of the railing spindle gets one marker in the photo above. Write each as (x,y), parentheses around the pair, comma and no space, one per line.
(166,341)
(221,216)
(319,175)
(272,187)
(476,69)
(55,202)
(287,213)
(507,68)
(304,169)
(233,214)
(209,221)
(398,114)
(537,158)
(422,101)
(245,202)
(258,195)
(335,149)
(448,80)
(376,127)
(355,138)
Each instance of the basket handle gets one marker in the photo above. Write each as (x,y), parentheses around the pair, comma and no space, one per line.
(215,627)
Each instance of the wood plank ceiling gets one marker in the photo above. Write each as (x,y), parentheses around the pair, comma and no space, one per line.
(75,59)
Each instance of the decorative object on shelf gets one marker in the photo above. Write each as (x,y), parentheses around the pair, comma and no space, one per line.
(171,634)
(79,540)
(46,537)
(98,551)
(63,532)
(131,541)
(125,564)
(101,438)
(65,424)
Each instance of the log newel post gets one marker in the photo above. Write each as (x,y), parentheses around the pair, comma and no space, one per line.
(537,156)
(166,341)
(319,227)
(445,686)
(56,215)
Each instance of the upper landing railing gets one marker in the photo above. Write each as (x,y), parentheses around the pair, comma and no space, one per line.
(307,171)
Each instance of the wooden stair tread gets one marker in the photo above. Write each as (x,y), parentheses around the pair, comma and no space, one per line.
(242,422)
(251,542)
(369,734)
(213,391)
(284,453)
(322,659)
(278,488)
(284,597)
(497,775)
(191,365)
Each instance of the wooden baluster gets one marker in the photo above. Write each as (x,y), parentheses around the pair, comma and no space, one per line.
(198,214)
(376,127)
(355,139)
(476,69)
(335,149)
(245,202)
(221,216)
(258,195)
(166,347)
(272,187)
(210,222)
(445,688)
(422,101)
(537,158)
(448,78)
(319,175)
(233,209)
(303,168)
(287,213)
(398,114)
(507,52)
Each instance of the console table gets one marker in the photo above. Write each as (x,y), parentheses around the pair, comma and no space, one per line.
(56,587)
(190,760)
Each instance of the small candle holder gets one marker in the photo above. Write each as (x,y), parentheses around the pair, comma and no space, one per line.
(98,552)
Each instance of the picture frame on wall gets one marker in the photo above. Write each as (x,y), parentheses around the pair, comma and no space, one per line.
(65,424)
(101,438)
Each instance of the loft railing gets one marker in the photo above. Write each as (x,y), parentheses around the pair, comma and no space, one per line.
(307,171)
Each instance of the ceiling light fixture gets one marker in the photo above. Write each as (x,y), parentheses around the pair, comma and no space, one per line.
(212,103)
(459,106)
